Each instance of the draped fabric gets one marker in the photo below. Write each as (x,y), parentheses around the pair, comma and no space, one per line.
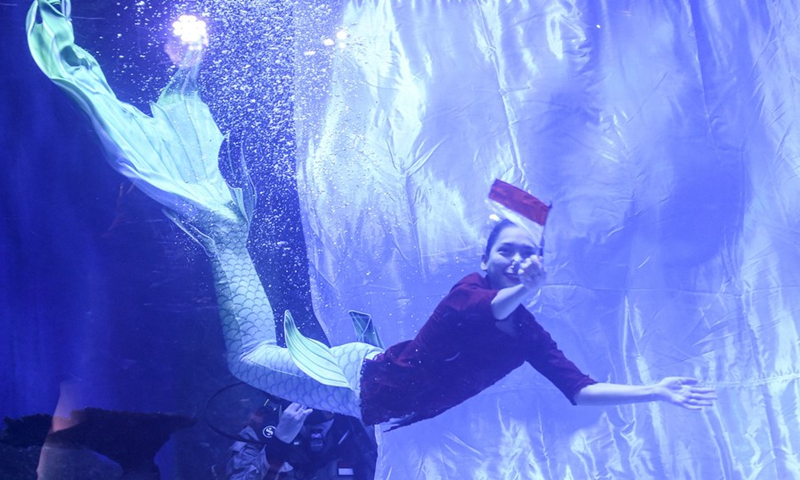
(665,136)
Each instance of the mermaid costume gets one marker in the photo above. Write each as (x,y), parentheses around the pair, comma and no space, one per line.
(172,156)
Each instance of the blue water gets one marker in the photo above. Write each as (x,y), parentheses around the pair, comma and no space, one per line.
(103,301)
(663,133)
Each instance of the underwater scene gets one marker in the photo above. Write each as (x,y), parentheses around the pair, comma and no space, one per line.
(399,240)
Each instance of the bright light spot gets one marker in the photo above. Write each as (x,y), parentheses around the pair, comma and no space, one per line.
(494,217)
(341,35)
(598,26)
(328,42)
(191,30)
(308,53)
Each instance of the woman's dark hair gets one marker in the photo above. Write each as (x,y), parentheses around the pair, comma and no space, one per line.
(501,225)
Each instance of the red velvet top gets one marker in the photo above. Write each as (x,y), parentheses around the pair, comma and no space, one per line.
(458,353)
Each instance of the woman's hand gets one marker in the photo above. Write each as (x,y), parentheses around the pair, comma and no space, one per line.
(291,422)
(531,272)
(680,391)
(684,392)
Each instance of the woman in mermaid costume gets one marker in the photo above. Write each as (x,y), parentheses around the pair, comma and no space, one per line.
(477,335)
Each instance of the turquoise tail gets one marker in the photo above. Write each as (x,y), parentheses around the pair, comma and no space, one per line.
(172,156)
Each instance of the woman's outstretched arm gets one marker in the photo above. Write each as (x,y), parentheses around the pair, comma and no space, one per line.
(681,391)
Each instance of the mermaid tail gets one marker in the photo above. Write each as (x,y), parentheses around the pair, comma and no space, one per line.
(365,329)
(172,157)
(307,372)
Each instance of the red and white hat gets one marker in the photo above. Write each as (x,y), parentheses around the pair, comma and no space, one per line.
(520,207)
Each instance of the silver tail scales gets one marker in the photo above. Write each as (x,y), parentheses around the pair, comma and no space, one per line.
(172,157)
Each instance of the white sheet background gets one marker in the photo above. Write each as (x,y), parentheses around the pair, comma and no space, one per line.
(665,135)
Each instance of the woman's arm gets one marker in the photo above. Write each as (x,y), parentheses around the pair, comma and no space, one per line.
(681,391)
(508,299)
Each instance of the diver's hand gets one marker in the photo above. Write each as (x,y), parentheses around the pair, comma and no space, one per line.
(531,272)
(291,422)
(684,392)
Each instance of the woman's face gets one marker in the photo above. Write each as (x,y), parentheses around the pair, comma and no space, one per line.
(512,246)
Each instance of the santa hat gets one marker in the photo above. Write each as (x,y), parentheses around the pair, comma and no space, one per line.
(520,207)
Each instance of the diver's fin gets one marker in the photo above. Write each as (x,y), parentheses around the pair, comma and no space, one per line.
(313,357)
(365,329)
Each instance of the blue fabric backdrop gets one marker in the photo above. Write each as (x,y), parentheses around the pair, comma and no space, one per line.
(664,134)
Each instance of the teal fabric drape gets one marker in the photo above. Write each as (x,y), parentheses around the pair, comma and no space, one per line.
(663,133)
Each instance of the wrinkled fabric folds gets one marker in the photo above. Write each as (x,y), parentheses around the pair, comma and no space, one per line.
(664,136)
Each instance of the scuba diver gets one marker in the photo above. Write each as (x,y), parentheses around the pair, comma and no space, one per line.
(287,441)
(478,334)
